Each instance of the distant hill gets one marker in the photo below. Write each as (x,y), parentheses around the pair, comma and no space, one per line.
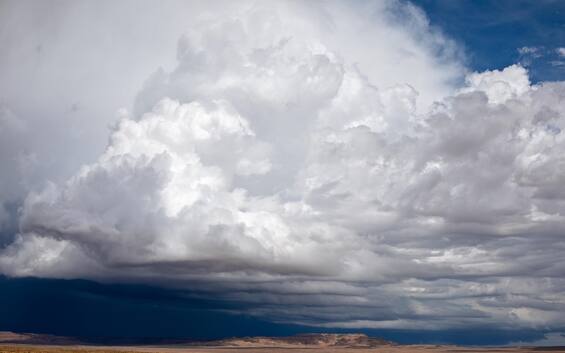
(313,340)
(303,340)
(35,338)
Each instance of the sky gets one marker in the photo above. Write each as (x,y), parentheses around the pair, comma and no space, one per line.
(209,169)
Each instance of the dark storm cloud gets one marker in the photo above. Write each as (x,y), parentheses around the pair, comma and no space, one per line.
(126,313)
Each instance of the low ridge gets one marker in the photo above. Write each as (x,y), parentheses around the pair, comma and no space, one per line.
(312,339)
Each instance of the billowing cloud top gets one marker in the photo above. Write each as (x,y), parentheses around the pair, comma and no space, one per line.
(321,163)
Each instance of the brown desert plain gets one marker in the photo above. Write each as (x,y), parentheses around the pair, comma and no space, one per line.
(308,343)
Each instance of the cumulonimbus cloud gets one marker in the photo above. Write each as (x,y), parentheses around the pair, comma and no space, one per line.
(271,167)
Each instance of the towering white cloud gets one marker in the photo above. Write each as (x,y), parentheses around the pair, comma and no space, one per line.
(318,162)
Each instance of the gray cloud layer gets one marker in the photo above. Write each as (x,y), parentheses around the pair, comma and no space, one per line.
(320,163)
